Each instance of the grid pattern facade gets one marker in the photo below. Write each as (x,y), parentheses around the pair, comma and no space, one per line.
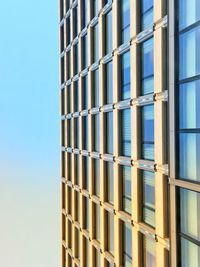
(114,156)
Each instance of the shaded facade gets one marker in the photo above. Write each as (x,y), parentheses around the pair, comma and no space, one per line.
(129,82)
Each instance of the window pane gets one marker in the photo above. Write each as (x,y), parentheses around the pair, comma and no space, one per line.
(147,67)
(125,20)
(95,43)
(148,179)
(85,92)
(85,132)
(97,258)
(76,96)
(189,108)
(76,59)
(189,12)
(109,83)
(110,181)
(189,156)
(125,132)
(110,221)
(108,33)
(85,51)
(189,54)
(190,213)
(68,31)
(149,252)
(77,169)
(189,253)
(84,13)
(126,192)
(87,215)
(76,132)
(95,8)
(86,172)
(96,177)
(96,132)
(95,89)
(147,14)
(97,222)
(75,21)
(148,132)
(109,132)
(125,76)
(127,245)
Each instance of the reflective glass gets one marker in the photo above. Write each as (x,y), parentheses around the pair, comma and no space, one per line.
(97,258)
(110,221)
(125,76)
(126,189)
(189,254)
(95,43)
(147,14)
(189,156)
(190,213)
(85,132)
(108,33)
(95,89)
(97,177)
(86,172)
(76,96)
(127,245)
(189,12)
(189,54)
(68,65)
(87,215)
(110,181)
(76,59)
(148,181)
(68,31)
(96,132)
(109,132)
(149,253)
(76,132)
(148,132)
(97,222)
(189,108)
(75,21)
(125,132)
(125,20)
(84,13)
(85,92)
(147,74)
(95,8)
(85,51)
(77,169)
(109,83)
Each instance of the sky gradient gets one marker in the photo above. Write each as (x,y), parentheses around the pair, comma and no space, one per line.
(29,135)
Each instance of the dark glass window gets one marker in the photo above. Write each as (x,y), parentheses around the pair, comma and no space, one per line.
(127,245)
(109,181)
(69,166)
(77,237)
(110,232)
(149,252)
(87,253)
(126,189)
(125,76)
(84,13)
(95,43)
(62,78)
(109,83)
(67,3)
(77,169)
(69,141)
(86,172)
(85,92)
(97,221)
(108,33)
(87,213)
(68,65)
(68,31)
(61,9)
(76,59)
(85,51)
(146,14)
(95,8)
(76,96)
(147,132)
(76,132)
(96,177)
(85,132)
(95,89)
(125,132)
(69,234)
(63,102)
(148,197)
(125,20)
(96,134)
(75,21)
(109,132)
(68,96)
(62,38)
(77,205)
(69,200)
(63,132)
(147,74)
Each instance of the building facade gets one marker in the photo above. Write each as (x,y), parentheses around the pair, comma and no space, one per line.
(130,132)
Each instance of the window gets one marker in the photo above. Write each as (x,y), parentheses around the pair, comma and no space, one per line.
(147,75)
(87,253)
(69,234)
(85,92)
(148,197)
(125,132)
(95,44)
(109,83)
(108,33)
(97,258)
(97,221)
(67,3)
(77,205)
(62,78)
(109,181)
(76,59)
(188,13)
(85,132)
(86,172)
(95,90)
(84,51)
(147,131)
(146,14)
(109,132)
(96,177)
(126,189)
(63,132)
(76,132)
(125,20)
(125,76)
(76,96)
(61,9)
(84,13)
(96,133)
(127,245)
(95,8)
(77,169)
(68,31)
(69,166)
(110,232)
(68,99)
(62,38)
(68,65)
(87,215)
(77,237)
(69,141)
(75,21)
(149,253)
(69,208)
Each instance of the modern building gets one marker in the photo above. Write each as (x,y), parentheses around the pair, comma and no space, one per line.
(130,133)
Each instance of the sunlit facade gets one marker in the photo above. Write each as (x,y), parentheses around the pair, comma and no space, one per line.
(129,82)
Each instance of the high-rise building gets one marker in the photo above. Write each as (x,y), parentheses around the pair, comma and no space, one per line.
(130,133)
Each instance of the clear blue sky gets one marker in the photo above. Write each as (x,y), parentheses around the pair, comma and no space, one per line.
(29,134)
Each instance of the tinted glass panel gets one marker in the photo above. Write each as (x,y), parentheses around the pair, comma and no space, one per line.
(125,20)
(76,96)
(95,8)
(85,51)
(95,89)
(95,43)
(149,259)
(84,13)
(97,222)
(127,197)
(189,253)
(147,14)
(110,221)
(125,76)
(109,83)
(97,178)
(108,33)
(127,245)
(85,92)
(85,132)
(75,21)
(126,132)
(189,11)
(109,132)
(76,59)
(110,181)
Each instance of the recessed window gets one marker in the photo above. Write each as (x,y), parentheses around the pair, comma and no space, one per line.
(97,258)
(147,74)
(149,252)
(76,132)
(127,245)
(147,130)
(148,197)
(95,89)
(95,43)
(62,74)
(84,51)
(68,65)
(77,238)
(77,169)
(76,96)
(68,98)
(87,252)
(61,9)
(69,141)
(146,14)
(110,232)
(95,8)
(87,214)
(77,205)
(69,199)
(69,234)
(188,13)
(69,166)
(85,132)
(68,31)
(109,83)
(75,21)
(125,20)
(97,221)
(96,177)
(125,132)
(126,189)
(76,59)
(67,3)
(85,92)
(84,13)
(125,76)
(62,38)
(109,181)
(109,132)
(86,172)
(108,33)
(96,132)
